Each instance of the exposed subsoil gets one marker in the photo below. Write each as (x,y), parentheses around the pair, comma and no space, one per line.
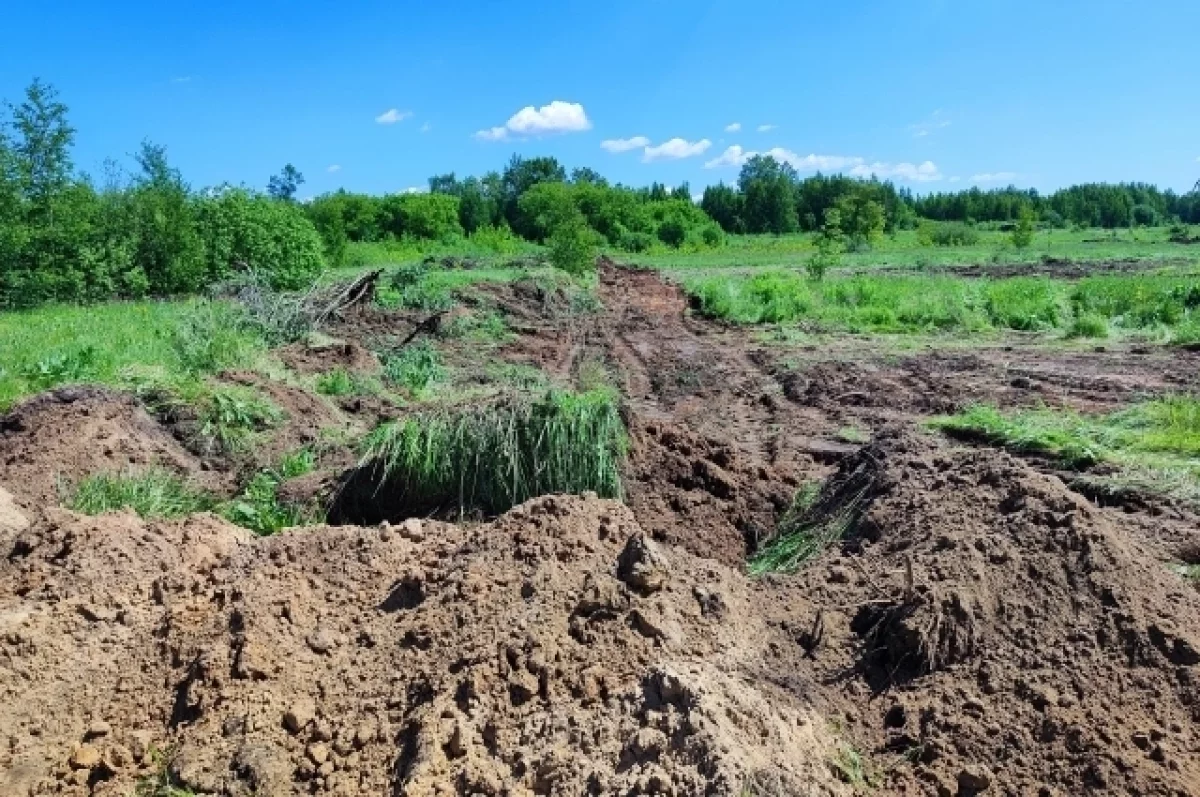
(985,629)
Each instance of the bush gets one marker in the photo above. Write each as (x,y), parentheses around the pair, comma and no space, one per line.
(212,336)
(572,247)
(636,242)
(416,367)
(672,232)
(1088,325)
(248,232)
(953,234)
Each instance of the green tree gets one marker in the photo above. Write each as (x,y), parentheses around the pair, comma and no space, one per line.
(830,243)
(767,188)
(254,233)
(283,186)
(572,246)
(725,206)
(41,149)
(544,207)
(1022,234)
(168,250)
(861,219)
(521,175)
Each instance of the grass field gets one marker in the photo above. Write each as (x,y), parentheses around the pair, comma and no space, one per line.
(904,251)
(1162,305)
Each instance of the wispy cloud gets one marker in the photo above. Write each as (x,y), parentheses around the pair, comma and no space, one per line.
(392,116)
(936,121)
(766,128)
(624,144)
(733,127)
(425,128)
(926,172)
(554,118)
(416,189)
(675,149)
(994,177)
(737,156)
(333,168)
(955,179)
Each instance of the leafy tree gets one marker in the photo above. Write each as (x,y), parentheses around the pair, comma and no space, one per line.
(767,188)
(725,206)
(545,207)
(572,246)
(41,150)
(860,219)
(1022,233)
(250,232)
(520,176)
(830,243)
(476,209)
(445,184)
(283,186)
(584,175)
(168,250)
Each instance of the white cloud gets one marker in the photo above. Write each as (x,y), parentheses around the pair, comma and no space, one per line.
(936,121)
(955,179)
(733,127)
(994,177)
(188,79)
(624,144)
(557,117)
(733,155)
(926,172)
(675,149)
(333,168)
(425,128)
(736,156)
(416,189)
(766,128)
(391,116)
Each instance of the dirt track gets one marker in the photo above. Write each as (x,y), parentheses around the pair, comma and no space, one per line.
(984,630)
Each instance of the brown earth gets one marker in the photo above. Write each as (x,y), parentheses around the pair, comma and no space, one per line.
(987,628)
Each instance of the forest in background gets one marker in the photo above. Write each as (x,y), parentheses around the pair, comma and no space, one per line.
(67,236)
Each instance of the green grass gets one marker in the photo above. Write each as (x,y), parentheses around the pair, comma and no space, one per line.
(417,286)
(905,251)
(258,507)
(152,494)
(800,536)
(1155,445)
(222,419)
(493,456)
(417,367)
(1161,305)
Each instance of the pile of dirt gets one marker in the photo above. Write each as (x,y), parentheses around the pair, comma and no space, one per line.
(1001,630)
(51,441)
(349,356)
(555,651)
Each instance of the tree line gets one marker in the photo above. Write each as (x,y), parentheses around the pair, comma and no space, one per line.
(66,236)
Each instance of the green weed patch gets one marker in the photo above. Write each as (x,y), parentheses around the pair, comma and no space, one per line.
(152,494)
(493,456)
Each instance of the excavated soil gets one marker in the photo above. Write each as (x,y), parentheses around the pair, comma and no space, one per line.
(985,628)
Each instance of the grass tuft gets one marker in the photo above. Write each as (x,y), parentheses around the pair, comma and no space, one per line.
(416,367)
(493,456)
(153,494)
(801,536)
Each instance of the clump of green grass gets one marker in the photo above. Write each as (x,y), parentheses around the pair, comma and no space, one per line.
(1088,325)
(222,419)
(416,367)
(1154,444)
(213,336)
(493,456)
(337,382)
(153,494)
(416,286)
(852,434)
(486,327)
(258,507)
(852,767)
(802,535)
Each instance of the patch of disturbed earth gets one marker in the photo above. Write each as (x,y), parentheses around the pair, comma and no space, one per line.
(985,630)
(1061,268)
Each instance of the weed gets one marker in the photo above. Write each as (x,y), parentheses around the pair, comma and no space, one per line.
(593,374)
(800,535)
(850,766)
(487,326)
(520,376)
(415,286)
(212,336)
(852,434)
(1088,325)
(337,382)
(57,369)
(160,783)
(258,507)
(494,456)
(152,494)
(230,417)
(416,367)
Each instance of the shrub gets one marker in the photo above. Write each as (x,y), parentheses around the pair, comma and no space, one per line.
(953,234)
(672,232)
(636,242)
(492,457)
(1088,325)
(79,365)
(415,367)
(572,247)
(249,232)
(1022,234)
(212,336)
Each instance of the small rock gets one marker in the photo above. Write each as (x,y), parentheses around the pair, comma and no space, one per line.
(326,769)
(11,519)
(118,758)
(412,529)
(97,729)
(647,744)
(642,565)
(1142,740)
(301,712)
(364,734)
(97,614)
(322,641)
(974,777)
(141,744)
(86,756)
(839,575)
(318,752)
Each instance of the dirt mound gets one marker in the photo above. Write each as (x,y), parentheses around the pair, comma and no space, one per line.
(50,442)
(1002,630)
(555,651)
(318,359)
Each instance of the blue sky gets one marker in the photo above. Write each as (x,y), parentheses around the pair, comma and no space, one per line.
(938,94)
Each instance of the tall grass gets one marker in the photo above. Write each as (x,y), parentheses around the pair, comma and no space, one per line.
(1165,305)
(152,494)
(1155,445)
(493,456)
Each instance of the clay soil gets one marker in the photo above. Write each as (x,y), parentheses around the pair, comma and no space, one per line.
(987,627)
